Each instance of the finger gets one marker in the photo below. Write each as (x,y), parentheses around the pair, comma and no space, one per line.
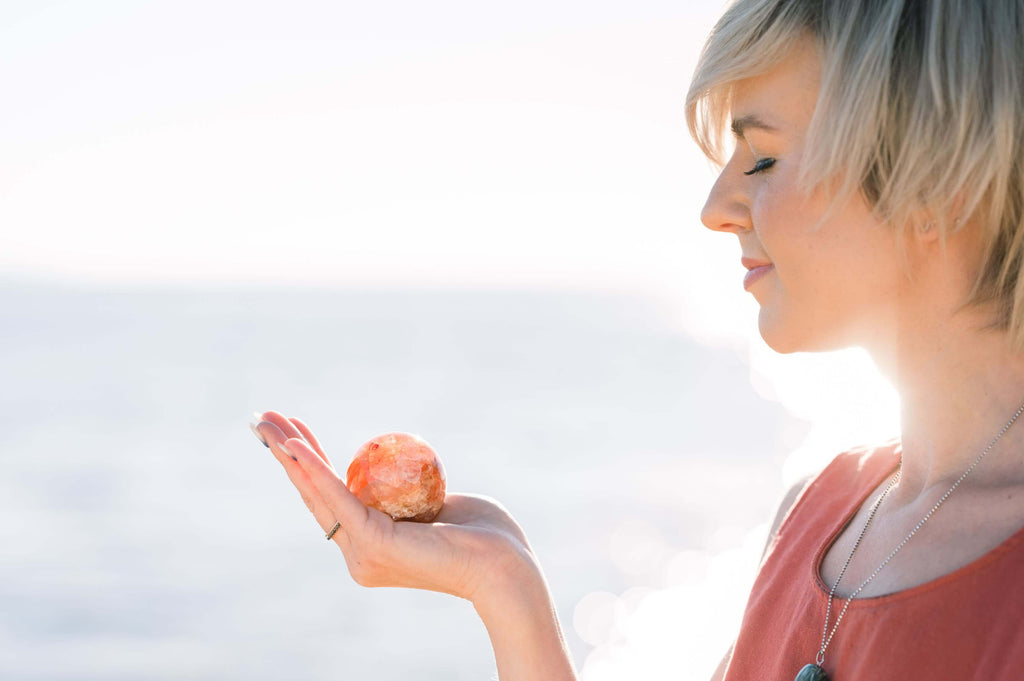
(257,433)
(282,422)
(291,430)
(307,434)
(307,490)
(344,505)
(269,434)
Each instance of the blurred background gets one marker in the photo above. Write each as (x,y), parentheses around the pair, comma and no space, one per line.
(473,221)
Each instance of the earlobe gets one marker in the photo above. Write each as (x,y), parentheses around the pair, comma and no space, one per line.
(927,230)
(926,233)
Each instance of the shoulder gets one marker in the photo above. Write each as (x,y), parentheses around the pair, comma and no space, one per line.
(787,503)
(850,464)
(847,471)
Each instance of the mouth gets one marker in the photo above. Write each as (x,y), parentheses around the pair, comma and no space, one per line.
(756,273)
(754,263)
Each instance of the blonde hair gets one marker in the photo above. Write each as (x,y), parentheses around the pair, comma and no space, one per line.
(921,109)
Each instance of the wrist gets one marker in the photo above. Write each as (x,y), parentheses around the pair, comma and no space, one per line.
(513,575)
(519,613)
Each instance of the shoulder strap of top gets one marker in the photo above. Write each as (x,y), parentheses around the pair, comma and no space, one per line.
(844,480)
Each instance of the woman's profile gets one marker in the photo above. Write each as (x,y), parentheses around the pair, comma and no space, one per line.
(871,171)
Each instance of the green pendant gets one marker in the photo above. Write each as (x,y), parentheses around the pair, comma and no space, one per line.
(811,672)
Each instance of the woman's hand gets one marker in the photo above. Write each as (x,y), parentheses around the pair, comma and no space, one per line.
(473,549)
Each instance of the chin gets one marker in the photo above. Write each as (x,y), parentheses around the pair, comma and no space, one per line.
(782,346)
(773,335)
(787,338)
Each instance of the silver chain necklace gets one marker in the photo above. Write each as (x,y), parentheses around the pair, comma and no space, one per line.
(814,672)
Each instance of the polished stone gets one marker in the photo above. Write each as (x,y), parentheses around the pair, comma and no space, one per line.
(811,672)
(399,474)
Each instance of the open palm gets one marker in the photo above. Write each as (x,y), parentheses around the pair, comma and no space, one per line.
(472,543)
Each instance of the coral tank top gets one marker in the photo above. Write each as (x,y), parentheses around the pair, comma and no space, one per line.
(966,625)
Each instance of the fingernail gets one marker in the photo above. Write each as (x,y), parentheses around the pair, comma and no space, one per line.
(257,416)
(284,448)
(256,432)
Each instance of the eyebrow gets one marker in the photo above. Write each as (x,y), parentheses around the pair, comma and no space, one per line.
(739,125)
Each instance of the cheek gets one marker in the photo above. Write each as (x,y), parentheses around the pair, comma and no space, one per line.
(812,259)
(776,221)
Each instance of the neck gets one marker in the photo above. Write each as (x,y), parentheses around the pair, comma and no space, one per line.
(959,383)
(958,386)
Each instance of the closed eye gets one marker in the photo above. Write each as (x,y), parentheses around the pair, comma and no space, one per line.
(760,166)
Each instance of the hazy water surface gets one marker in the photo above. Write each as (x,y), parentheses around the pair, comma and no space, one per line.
(145,534)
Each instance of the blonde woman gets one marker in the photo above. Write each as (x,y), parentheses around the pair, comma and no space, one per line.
(872,172)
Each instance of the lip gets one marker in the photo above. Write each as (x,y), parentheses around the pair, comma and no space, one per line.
(751,263)
(754,274)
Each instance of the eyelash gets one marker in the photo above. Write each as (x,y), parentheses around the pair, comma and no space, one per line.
(760,166)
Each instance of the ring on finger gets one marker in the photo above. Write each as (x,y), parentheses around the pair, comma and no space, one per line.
(337,526)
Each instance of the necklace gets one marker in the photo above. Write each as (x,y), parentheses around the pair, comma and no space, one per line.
(814,672)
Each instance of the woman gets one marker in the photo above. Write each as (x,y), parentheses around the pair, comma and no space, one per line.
(876,186)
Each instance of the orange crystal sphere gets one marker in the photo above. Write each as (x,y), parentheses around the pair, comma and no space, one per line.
(398,474)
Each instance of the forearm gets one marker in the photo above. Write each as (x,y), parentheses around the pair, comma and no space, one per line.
(525,633)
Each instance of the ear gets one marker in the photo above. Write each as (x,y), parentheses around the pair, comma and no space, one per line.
(926,225)
(950,215)
(926,232)
(924,228)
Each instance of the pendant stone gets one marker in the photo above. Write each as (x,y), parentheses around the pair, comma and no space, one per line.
(811,672)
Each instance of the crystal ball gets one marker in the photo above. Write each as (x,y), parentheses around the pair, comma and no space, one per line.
(398,474)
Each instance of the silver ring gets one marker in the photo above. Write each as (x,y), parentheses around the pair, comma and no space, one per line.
(337,526)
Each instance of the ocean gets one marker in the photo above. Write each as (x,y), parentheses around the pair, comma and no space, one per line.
(145,534)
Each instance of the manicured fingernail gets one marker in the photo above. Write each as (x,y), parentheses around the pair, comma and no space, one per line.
(257,416)
(256,432)
(284,448)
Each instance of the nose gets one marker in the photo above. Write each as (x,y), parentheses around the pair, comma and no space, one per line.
(727,208)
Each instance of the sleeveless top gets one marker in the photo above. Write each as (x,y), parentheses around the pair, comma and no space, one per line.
(966,625)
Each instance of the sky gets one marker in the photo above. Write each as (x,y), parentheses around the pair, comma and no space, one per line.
(391,143)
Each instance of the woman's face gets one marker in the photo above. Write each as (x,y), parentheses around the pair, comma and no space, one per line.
(832,283)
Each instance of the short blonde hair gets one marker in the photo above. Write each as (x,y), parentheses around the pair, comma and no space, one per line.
(921,109)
